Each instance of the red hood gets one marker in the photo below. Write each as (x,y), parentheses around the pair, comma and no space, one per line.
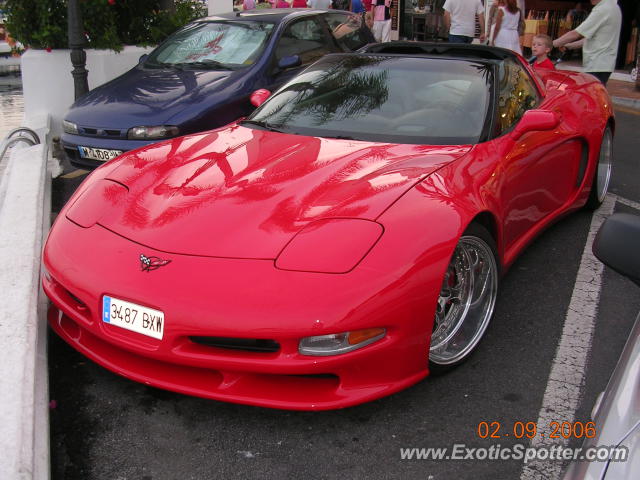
(243,193)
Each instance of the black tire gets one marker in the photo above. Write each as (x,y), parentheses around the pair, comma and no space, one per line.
(602,175)
(461,322)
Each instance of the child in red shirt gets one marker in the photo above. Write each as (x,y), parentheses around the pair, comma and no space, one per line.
(540,47)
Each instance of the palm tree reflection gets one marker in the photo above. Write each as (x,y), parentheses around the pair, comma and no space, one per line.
(346,89)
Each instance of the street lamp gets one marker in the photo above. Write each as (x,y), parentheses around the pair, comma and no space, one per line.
(78,55)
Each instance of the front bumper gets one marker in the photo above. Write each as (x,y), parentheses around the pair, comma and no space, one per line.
(241,299)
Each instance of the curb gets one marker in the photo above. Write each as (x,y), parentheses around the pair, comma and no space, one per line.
(24,222)
(633,103)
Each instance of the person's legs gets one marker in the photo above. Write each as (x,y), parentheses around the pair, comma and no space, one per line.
(386,31)
(377,31)
(602,76)
(460,39)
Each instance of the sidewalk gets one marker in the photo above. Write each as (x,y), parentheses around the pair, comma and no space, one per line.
(624,93)
(621,86)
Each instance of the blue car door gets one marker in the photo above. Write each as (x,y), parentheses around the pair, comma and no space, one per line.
(305,38)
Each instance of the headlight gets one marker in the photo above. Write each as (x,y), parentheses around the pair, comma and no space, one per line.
(331,245)
(149,133)
(69,127)
(89,206)
(337,343)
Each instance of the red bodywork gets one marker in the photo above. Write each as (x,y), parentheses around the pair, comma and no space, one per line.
(237,212)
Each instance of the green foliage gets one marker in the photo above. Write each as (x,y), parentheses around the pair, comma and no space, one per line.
(107,24)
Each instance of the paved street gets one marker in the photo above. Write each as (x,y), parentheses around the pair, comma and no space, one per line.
(107,427)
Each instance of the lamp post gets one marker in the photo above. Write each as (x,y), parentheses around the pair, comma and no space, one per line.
(78,55)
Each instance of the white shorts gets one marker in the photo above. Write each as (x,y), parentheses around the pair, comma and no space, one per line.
(382,30)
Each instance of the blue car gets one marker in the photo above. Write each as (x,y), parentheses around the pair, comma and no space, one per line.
(201,78)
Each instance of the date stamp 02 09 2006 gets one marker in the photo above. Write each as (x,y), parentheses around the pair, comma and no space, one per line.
(519,430)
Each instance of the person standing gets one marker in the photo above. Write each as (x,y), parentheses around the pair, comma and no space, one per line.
(493,16)
(356,6)
(460,20)
(541,47)
(598,36)
(340,4)
(249,5)
(299,4)
(382,20)
(505,32)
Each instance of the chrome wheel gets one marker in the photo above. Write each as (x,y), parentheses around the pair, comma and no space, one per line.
(605,162)
(602,176)
(466,301)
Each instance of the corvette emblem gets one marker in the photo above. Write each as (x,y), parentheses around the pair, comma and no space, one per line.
(148,264)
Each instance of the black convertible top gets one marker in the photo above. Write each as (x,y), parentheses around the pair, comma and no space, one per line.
(469,51)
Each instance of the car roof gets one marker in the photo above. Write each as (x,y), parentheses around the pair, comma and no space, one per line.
(274,15)
(449,50)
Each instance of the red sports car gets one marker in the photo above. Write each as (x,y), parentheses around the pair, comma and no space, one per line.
(340,243)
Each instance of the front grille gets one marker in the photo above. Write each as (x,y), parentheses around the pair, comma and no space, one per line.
(246,344)
(101,132)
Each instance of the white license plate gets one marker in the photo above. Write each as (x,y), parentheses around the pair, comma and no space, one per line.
(100,154)
(132,316)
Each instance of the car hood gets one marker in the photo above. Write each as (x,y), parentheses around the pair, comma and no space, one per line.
(243,193)
(148,97)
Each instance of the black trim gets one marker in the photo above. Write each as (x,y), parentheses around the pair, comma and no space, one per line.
(480,52)
(246,344)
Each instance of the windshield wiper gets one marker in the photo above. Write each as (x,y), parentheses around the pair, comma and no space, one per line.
(207,64)
(156,65)
(340,137)
(261,125)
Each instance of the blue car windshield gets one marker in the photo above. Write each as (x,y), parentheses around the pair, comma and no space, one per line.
(213,45)
(413,100)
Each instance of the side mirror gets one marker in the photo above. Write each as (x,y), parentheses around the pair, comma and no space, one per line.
(258,97)
(536,120)
(616,245)
(143,58)
(289,62)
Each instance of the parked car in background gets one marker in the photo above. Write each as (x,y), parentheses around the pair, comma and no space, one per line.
(339,244)
(201,78)
(617,411)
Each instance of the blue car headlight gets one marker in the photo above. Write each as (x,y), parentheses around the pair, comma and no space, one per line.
(69,127)
(152,133)
(332,245)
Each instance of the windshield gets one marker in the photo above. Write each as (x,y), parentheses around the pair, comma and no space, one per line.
(386,99)
(213,45)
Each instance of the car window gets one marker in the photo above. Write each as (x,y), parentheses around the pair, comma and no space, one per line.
(347,30)
(378,98)
(214,43)
(516,94)
(304,38)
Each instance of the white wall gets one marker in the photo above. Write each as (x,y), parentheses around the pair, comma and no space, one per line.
(220,6)
(48,84)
